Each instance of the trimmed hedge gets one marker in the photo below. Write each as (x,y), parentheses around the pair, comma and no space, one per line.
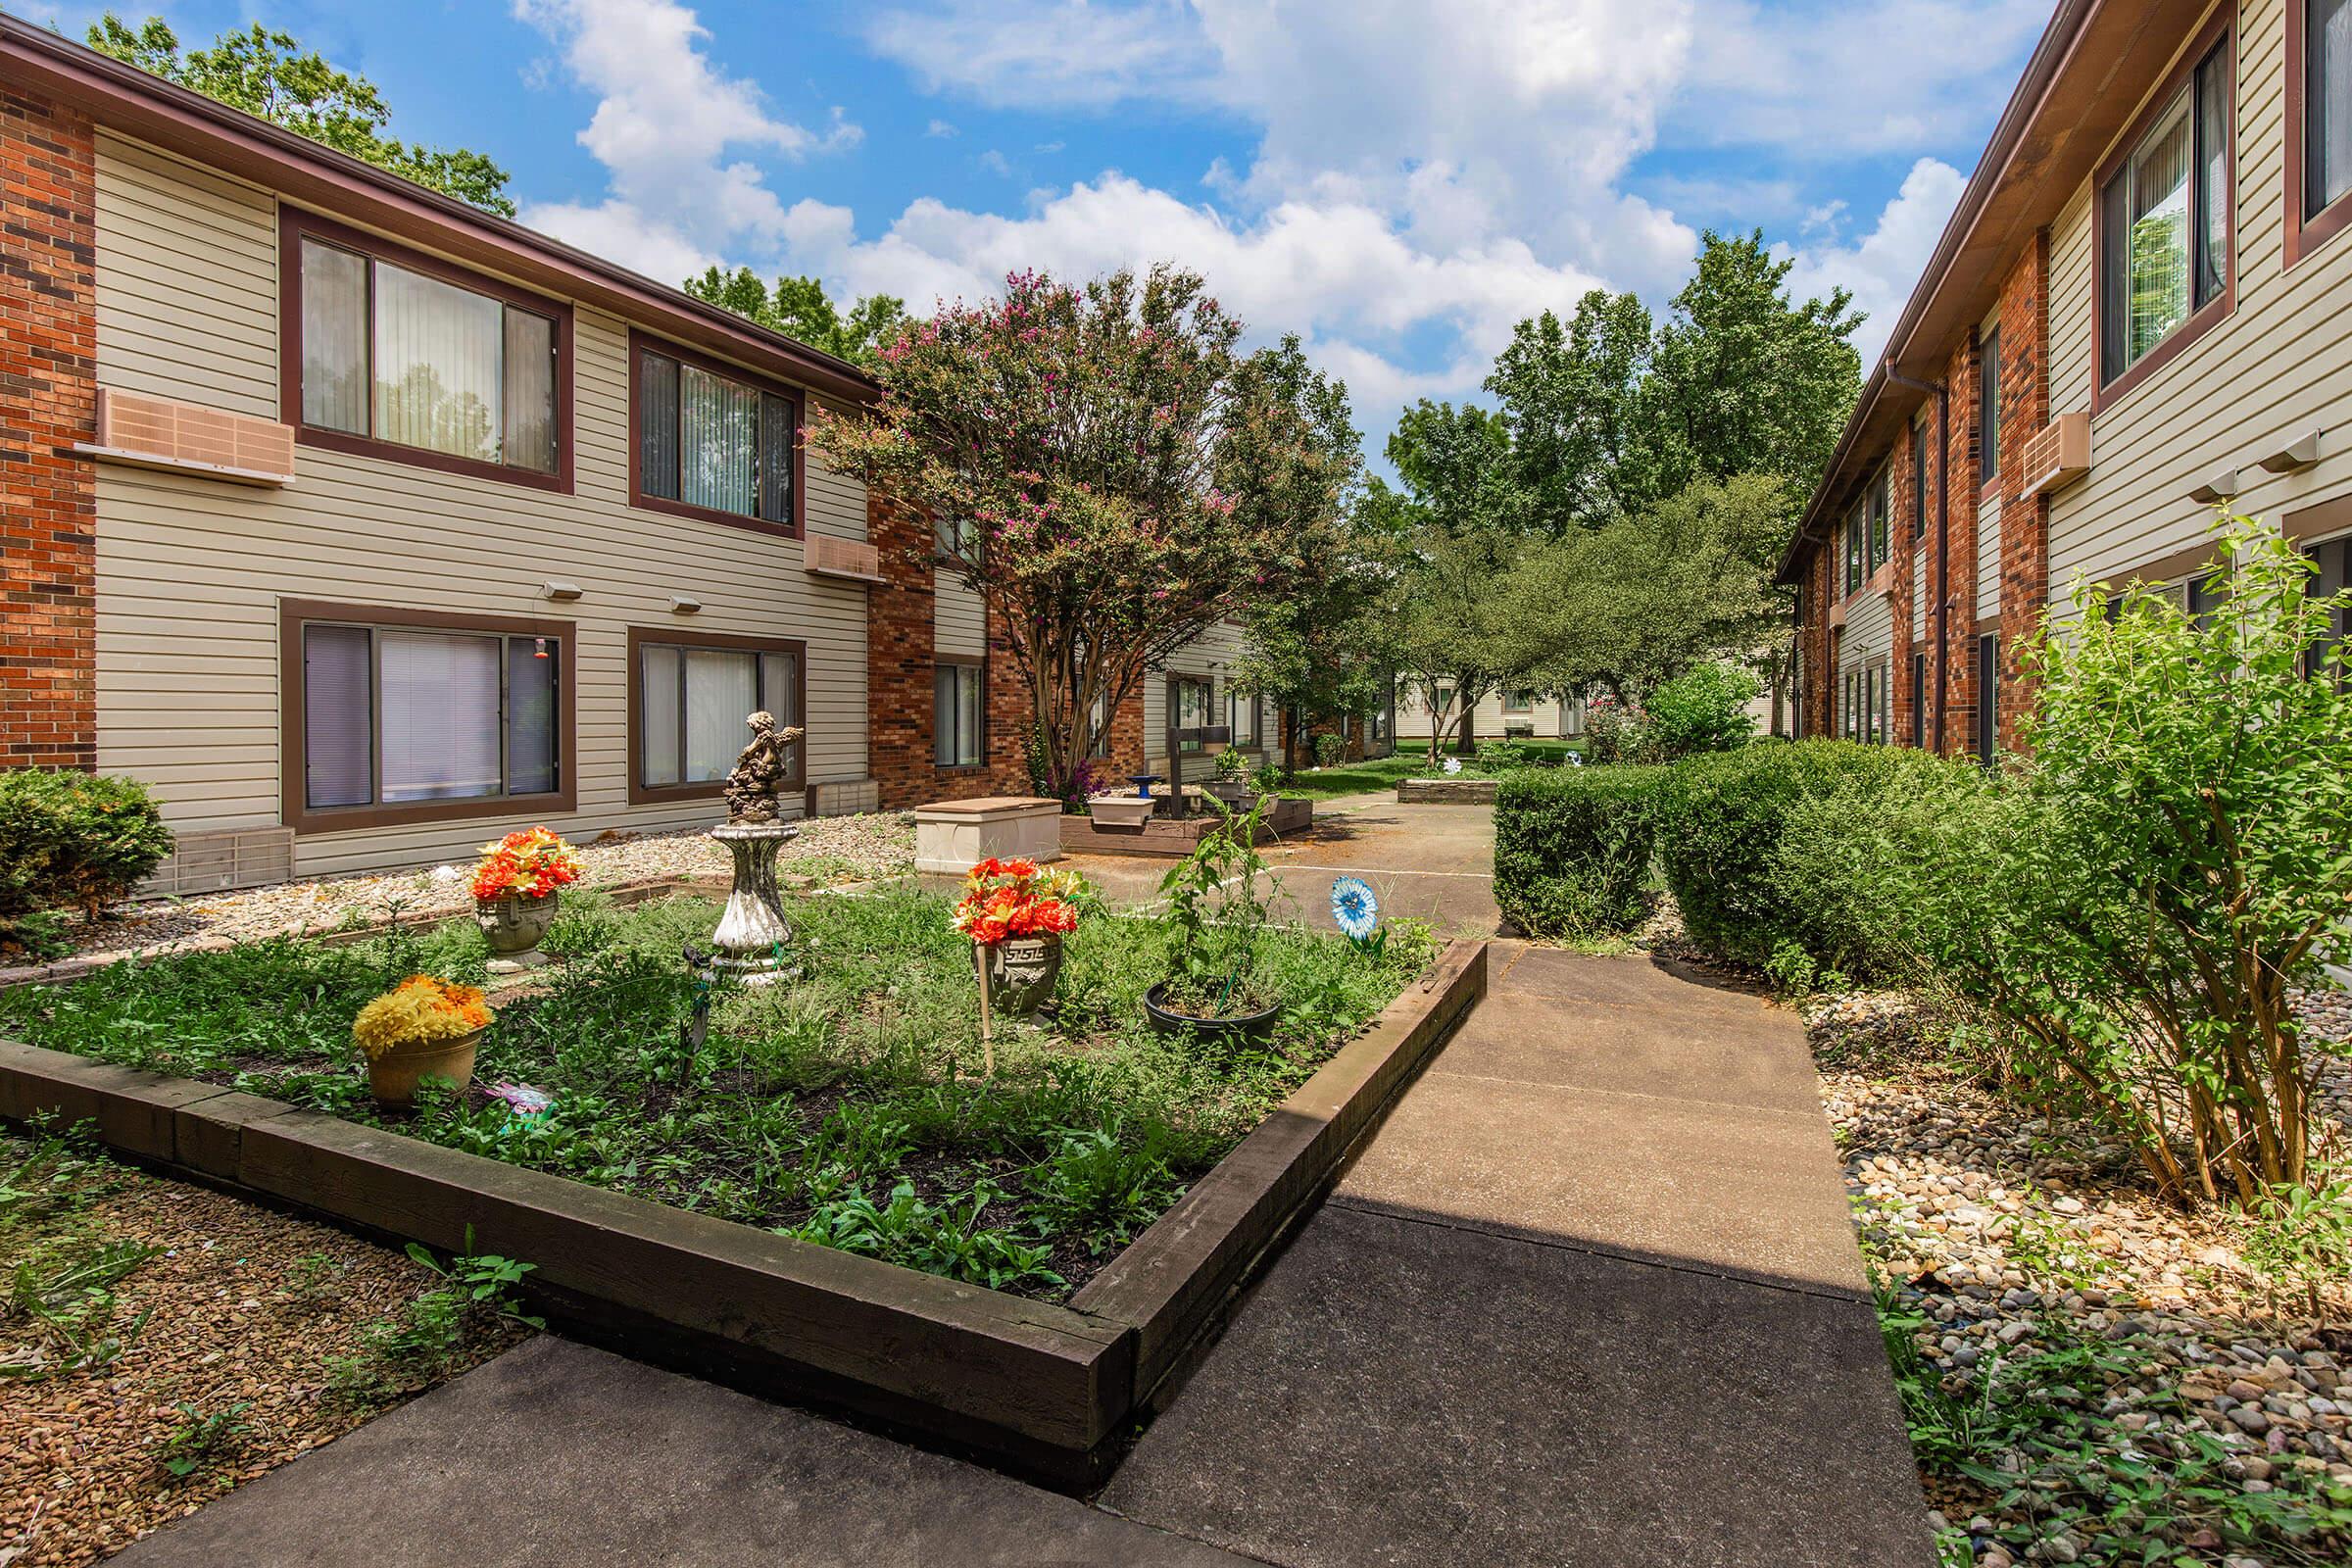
(1571,848)
(1720,823)
(69,839)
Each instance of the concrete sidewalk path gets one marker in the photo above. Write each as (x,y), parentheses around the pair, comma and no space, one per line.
(1588,1297)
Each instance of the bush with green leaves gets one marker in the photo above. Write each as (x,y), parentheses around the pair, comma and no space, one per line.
(2172,856)
(1572,848)
(1618,732)
(1330,749)
(1705,708)
(69,839)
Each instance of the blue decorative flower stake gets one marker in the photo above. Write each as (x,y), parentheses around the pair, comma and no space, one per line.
(1356,911)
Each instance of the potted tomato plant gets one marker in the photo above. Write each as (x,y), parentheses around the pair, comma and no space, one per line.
(422,1028)
(514,892)
(1215,922)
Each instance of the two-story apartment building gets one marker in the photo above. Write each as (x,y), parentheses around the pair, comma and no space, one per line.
(2141,310)
(363,525)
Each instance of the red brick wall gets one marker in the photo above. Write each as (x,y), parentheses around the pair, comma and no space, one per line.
(1958,587)
(1815,715)
(899,659)
(48,401)
(1904,480)
(2024,394)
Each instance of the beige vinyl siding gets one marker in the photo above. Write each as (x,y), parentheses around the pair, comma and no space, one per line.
(190,572)
(2074,295)
(1869,632)
(1547,716)
(1210,657)
(2277,368)
(959,619)
(1919,594)
(1988,556)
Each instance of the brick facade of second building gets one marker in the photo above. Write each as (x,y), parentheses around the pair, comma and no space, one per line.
(48,402)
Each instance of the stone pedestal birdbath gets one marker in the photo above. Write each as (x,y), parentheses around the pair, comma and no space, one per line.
(751,930)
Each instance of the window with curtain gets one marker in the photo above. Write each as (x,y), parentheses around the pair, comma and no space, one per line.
(1988,408)
(1918,479)
(712,442)
(1190,702)
(1853,549)
(959,702)
(1241,716)
(2327,103)
(396,354)
(692,701)
(399,716)
(2164,221)
(1989,696)
(1879,495)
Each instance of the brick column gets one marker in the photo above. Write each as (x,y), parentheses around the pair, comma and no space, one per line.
(1905,479)
(1958,588)
(48,401)
(1814,717)
(2025,393)
(900,659)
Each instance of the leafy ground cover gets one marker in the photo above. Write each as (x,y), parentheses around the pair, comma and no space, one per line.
(161,1344)
(847,1107)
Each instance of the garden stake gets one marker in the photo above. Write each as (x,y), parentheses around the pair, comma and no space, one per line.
(988,1044)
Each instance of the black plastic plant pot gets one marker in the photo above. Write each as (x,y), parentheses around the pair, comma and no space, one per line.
(1249,1028)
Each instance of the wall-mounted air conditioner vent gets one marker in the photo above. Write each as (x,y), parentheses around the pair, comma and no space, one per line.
(829,557)
(2058,453)
(152,432)
(223,858)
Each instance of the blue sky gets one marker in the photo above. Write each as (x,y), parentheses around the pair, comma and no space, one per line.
(1396,180)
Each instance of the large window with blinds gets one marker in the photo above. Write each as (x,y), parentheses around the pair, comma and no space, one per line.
(400,354)
(712,442)
(396,714)
(689,701)
(2164,210)
(2319,150)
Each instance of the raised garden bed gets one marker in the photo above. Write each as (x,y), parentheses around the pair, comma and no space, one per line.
(1445,791)
(858,1077)
(1176,837)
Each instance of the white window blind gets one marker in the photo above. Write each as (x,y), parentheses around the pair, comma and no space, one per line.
(721,691)
(440,721)
(658,716)
(335,338)
(439,353)
(338,748)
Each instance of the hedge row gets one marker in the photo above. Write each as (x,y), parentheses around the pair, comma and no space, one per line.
(69,839)
(1571,848)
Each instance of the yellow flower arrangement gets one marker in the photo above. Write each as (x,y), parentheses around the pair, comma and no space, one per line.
(420,1010)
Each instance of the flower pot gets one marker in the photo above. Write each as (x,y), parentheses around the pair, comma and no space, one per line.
(393,1077)
(1235,792)
(1021,971)
(1121,811)
(516,923)
(1249,1028)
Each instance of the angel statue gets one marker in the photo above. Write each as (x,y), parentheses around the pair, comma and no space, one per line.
(759,772)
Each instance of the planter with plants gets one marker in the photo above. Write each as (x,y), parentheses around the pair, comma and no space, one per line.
(1215,922)
(1017,917)
(423,1028)
(1231,782)
(515,894)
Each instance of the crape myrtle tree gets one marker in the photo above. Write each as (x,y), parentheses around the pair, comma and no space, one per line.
(1123,474)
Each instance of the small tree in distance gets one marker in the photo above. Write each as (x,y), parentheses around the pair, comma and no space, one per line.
(1124,477)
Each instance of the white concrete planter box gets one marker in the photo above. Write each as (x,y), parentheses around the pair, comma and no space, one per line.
(1120,811)
(951,837)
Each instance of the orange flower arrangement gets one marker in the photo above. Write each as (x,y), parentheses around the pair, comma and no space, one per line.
(528,863)
(1015,899)
(420,1009)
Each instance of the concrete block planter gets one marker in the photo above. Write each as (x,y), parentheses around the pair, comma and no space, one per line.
(951,837)
(1041,1387)
(1445,791)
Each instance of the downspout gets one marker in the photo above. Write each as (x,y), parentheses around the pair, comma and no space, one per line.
(1944,601)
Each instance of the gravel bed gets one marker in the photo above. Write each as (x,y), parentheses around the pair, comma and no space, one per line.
(247,1305)
(830,850)
(2003,1227)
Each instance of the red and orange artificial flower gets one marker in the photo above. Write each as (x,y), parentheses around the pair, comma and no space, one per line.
(1004,898)
(527,863)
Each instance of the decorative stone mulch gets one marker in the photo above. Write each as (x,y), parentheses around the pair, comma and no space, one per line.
(246,1307)
(832,849)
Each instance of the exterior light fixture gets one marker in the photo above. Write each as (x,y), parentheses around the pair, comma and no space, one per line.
(2221,486)
(2296,457)
(557,589)
(683,604)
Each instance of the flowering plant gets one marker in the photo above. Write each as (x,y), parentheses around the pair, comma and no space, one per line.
(1015,899)
(420,1010)
(529,863)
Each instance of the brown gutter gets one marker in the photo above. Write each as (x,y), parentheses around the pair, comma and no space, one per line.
(127,99)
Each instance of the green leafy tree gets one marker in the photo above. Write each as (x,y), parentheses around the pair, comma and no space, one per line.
(1128,476)
(1326,649)
(1570,397)
(268,74)
(801,310)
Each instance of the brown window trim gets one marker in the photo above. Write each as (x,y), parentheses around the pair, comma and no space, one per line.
(640,344)
(2222,30)
(294,224)
(959,661)
(2304,234)
(295,809)
(644,794)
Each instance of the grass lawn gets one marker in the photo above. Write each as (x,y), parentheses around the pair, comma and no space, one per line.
(846,1107)
(1351,778)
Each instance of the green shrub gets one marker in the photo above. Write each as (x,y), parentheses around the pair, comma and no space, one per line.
(69,839)
(1330,749)
(1618,732)
(1843,865)
(1704,710)
(1723,820)
(1572,848)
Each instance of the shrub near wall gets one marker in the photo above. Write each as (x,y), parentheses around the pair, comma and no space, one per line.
(1571,848)
(69,839)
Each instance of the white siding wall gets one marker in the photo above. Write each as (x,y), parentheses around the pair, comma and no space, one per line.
(1869,632)
(1988,556)
(190,572)
(1210,657)
(2277,368)
(959,619)
(1547,717)
(1919,594)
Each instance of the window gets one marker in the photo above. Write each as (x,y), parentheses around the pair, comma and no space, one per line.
(1989,696)
(1441,701)
(2163,221)
(1919,480)
(1988,408)
(960,713)
(1240,716)
(2333,559)
(1099,725)
(398,355)
(957,539)
(1518,702)
(395,714)
(1854,567)
(1919,700)
(1383,721)
(1878,518)
(1188,708)
(689,701)
(711,442)
(2319,54)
